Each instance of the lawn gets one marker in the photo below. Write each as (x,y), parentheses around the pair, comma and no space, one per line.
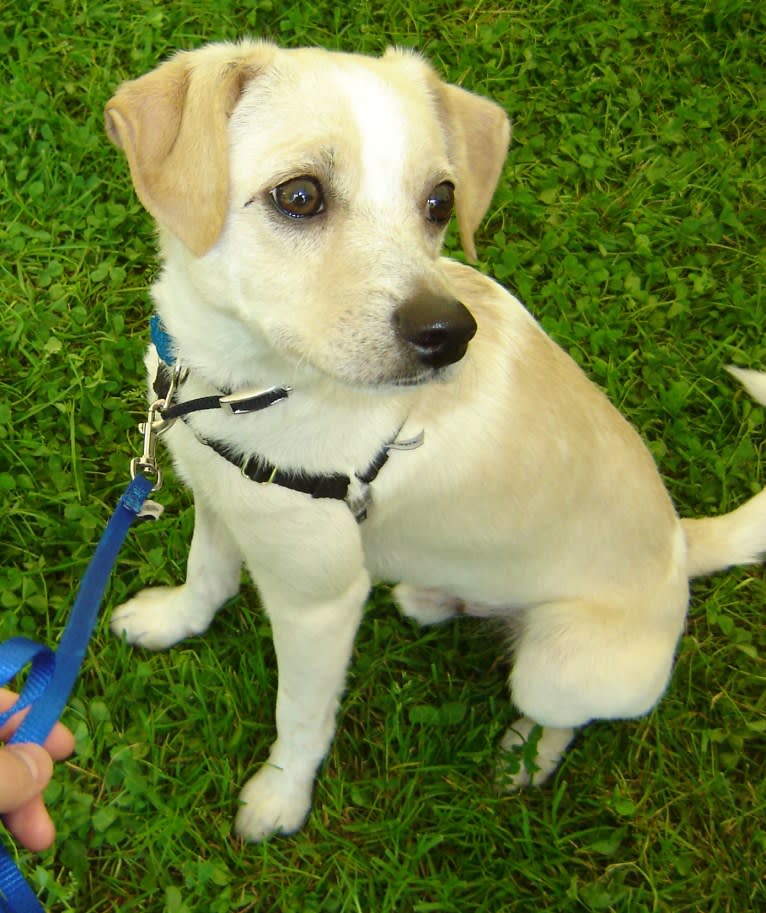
(631,219)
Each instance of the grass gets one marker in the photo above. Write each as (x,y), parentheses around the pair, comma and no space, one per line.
(631,221)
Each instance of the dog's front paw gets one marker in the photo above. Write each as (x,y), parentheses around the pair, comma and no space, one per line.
(272,803)
(159,617)
(425,606)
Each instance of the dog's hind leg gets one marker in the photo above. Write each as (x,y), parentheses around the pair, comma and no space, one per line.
(161,616)
(578,660)
(519,766)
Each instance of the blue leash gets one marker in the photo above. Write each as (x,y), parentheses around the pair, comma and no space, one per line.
(52,675)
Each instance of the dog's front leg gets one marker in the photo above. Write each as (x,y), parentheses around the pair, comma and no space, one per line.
(159,617)
(313,645)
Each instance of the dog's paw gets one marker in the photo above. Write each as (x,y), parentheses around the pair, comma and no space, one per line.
(272,803)
(530,754)
(158,617)
(425,606)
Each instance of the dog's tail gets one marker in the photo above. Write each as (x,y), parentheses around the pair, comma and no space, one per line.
(739,537)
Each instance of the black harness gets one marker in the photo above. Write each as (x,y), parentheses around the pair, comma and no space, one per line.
(356,492)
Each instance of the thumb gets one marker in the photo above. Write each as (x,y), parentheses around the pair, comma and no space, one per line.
(25,771)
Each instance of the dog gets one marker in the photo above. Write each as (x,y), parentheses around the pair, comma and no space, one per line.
(355,407)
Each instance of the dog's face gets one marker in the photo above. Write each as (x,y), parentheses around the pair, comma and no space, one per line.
(309,193)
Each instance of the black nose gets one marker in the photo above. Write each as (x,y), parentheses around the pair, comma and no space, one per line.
(437,327)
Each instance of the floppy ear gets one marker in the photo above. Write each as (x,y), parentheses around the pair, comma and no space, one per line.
(479,132)
(172,126)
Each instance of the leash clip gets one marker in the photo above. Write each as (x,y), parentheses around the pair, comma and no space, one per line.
(152,428)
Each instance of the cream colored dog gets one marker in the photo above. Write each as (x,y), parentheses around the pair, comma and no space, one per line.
(424,429)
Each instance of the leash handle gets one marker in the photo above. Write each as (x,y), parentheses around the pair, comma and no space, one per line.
(15,653)
(52,676)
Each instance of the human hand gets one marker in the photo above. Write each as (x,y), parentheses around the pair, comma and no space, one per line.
(25,771)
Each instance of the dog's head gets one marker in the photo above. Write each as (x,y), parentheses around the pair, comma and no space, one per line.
(307,194)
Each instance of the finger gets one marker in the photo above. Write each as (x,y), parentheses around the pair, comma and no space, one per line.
(25,770)
(31,825)
(60,742)
(7,698)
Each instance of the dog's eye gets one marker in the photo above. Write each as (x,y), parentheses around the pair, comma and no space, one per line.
(440,203)
(299,198)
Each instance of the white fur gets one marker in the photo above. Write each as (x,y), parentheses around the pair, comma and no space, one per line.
(753,381)
(531,500)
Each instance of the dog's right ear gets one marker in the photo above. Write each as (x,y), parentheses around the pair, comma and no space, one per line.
(480,133)
(172,126)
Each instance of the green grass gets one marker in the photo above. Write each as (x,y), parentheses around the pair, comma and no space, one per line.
(631,221)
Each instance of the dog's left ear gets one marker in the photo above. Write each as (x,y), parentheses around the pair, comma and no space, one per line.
(479,132)
(172,126)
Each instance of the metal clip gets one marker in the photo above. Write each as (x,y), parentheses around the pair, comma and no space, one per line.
(253,400)
(359,499)
(411,443)
(152,428)
(150,510)
(177,377)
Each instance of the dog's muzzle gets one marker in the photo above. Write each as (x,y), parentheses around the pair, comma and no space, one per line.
(436,328)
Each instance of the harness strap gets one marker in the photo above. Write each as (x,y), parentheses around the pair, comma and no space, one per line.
(235,403)
(335,486)
(258,469)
